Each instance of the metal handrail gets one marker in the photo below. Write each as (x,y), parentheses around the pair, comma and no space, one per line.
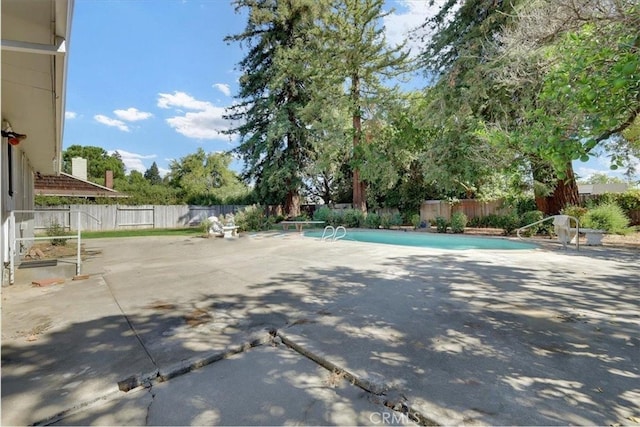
(333,236)
(14,239)
(324,233)
(553,217)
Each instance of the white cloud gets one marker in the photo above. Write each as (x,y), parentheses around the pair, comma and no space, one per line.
(70,115)
(206,122)
(224,88)
(181,100)
(133,161)
(163,172)
(111,122)
(132,114)
(409,15)
(600,163)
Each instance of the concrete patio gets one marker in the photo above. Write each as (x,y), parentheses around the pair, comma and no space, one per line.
(276,328)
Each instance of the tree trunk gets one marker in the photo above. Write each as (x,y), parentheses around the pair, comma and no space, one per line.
(359,187)
(292,204)
(564,194)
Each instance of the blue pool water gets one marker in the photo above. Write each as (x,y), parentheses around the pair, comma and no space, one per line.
(429,240)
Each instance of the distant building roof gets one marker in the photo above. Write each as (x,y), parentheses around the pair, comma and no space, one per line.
(595,189)
(66,185)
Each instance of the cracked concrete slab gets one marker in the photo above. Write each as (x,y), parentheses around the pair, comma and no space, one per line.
(475,337)
(262,386)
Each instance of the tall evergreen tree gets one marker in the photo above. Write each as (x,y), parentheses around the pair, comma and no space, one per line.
(153,175)
(362,59)
(274,91)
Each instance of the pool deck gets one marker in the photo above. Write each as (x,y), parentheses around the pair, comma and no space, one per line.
(287,329)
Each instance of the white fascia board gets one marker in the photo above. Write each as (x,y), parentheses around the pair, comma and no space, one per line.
(39,48)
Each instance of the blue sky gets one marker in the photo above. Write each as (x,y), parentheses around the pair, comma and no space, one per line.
(152,78)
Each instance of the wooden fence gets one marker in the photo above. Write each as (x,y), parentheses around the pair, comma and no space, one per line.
(120,217)
(431,209)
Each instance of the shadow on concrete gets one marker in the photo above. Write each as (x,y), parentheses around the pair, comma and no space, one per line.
(463,340)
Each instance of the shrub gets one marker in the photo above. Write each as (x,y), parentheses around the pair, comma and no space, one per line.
(609,217)
(396,219)
(574,211)
(55,229)
(416,220)
(302,217)
(525,204)
(385,220)
(476,221)
(205,224)
(441,224)
(372,220)
(251,218)
(529,218)
(336,218)
(458,222)
(352,218)
(629,200)
(509,223)
(323,214)
(329,216)
(493,221)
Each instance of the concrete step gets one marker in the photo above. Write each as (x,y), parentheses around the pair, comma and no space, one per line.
(27,273)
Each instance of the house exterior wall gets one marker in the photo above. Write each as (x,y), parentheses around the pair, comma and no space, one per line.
(17,195)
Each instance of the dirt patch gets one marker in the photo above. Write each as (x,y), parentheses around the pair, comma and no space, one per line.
(629,241)
(197,317)
(45,250)
(161,305)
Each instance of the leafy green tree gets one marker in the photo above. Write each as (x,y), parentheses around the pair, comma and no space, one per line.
(205,179)
(274,91)
(535,79)
(585,63)
(98,162)
(153,175)
(142,192)
(602,178)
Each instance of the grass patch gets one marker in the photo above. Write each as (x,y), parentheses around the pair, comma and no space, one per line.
(192,231)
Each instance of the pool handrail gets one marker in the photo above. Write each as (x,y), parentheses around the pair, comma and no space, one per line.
(333,233)
(342,236)
(553,217)
(329,236)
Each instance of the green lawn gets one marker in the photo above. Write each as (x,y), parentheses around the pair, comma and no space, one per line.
(192,231)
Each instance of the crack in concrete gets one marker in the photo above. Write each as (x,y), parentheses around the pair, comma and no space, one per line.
(77,408)
(157,376)
(397,404)
(153,396)
(133,329)
(386,395)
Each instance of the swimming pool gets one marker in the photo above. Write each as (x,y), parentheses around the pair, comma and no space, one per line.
(430,240)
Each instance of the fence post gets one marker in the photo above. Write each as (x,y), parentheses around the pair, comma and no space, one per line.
(12,247)
(78,269)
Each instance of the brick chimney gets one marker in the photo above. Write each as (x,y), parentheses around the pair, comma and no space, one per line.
(108,179)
